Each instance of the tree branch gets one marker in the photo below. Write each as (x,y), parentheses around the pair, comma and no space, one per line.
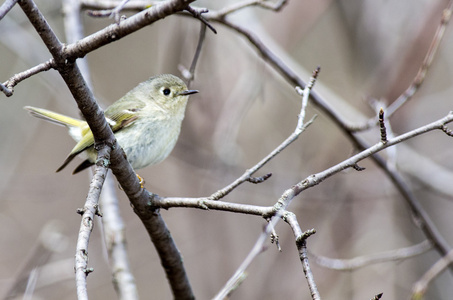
(167,250)
(366,260)
(421,74)
(427,225)
(90,209)
(420,287)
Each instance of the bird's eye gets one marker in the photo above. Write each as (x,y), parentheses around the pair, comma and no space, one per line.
(166,91)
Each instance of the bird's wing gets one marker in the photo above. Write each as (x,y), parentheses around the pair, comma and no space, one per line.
(119,115)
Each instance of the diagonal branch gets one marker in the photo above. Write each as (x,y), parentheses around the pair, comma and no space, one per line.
(153,222)
(421,286)
(115,31)
(6,7)
(427,225)
(300,128)
(421,74)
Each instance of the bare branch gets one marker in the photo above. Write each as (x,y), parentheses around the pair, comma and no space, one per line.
(366,260)
(239,276)
(248,173)
(115,240)
(5,90)
(6,7)
(197,13)
(421,74)
(190,74)
(267,4)
(117,31)
(301,244)
(51,240)
(90,209)
(259,179)
(305,93)
(13,81)
(111,13)
(420,287)
(136,5)
(315,179)
(207,203)
(427,225)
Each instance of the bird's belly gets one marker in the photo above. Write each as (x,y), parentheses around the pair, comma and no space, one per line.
(148,147)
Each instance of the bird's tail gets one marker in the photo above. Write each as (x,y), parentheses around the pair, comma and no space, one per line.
(54,117)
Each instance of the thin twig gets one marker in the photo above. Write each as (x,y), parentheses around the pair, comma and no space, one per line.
(51,241)
(421,74)
(114,234)
(302,247)
(427,61)
(300,127)
(248,173)
(139,5)
(305,93)
(90,210)
(197,13)
(275,6)
(367,260)
(301,244)
(420,287)
(136,5)
(239,275)
(315,179)
(13,81)
(110,13)
(190,74)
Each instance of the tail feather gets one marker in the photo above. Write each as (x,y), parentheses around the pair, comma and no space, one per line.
(76,127)
(54,117)
(66,162)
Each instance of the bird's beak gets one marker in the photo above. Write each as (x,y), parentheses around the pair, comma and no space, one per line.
(187,92)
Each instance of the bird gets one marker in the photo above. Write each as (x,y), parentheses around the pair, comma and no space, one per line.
(146,123)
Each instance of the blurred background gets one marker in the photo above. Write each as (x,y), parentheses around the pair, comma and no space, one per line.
(366,49)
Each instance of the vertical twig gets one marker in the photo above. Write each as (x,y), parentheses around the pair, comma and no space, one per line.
(301,244)
(88,213)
